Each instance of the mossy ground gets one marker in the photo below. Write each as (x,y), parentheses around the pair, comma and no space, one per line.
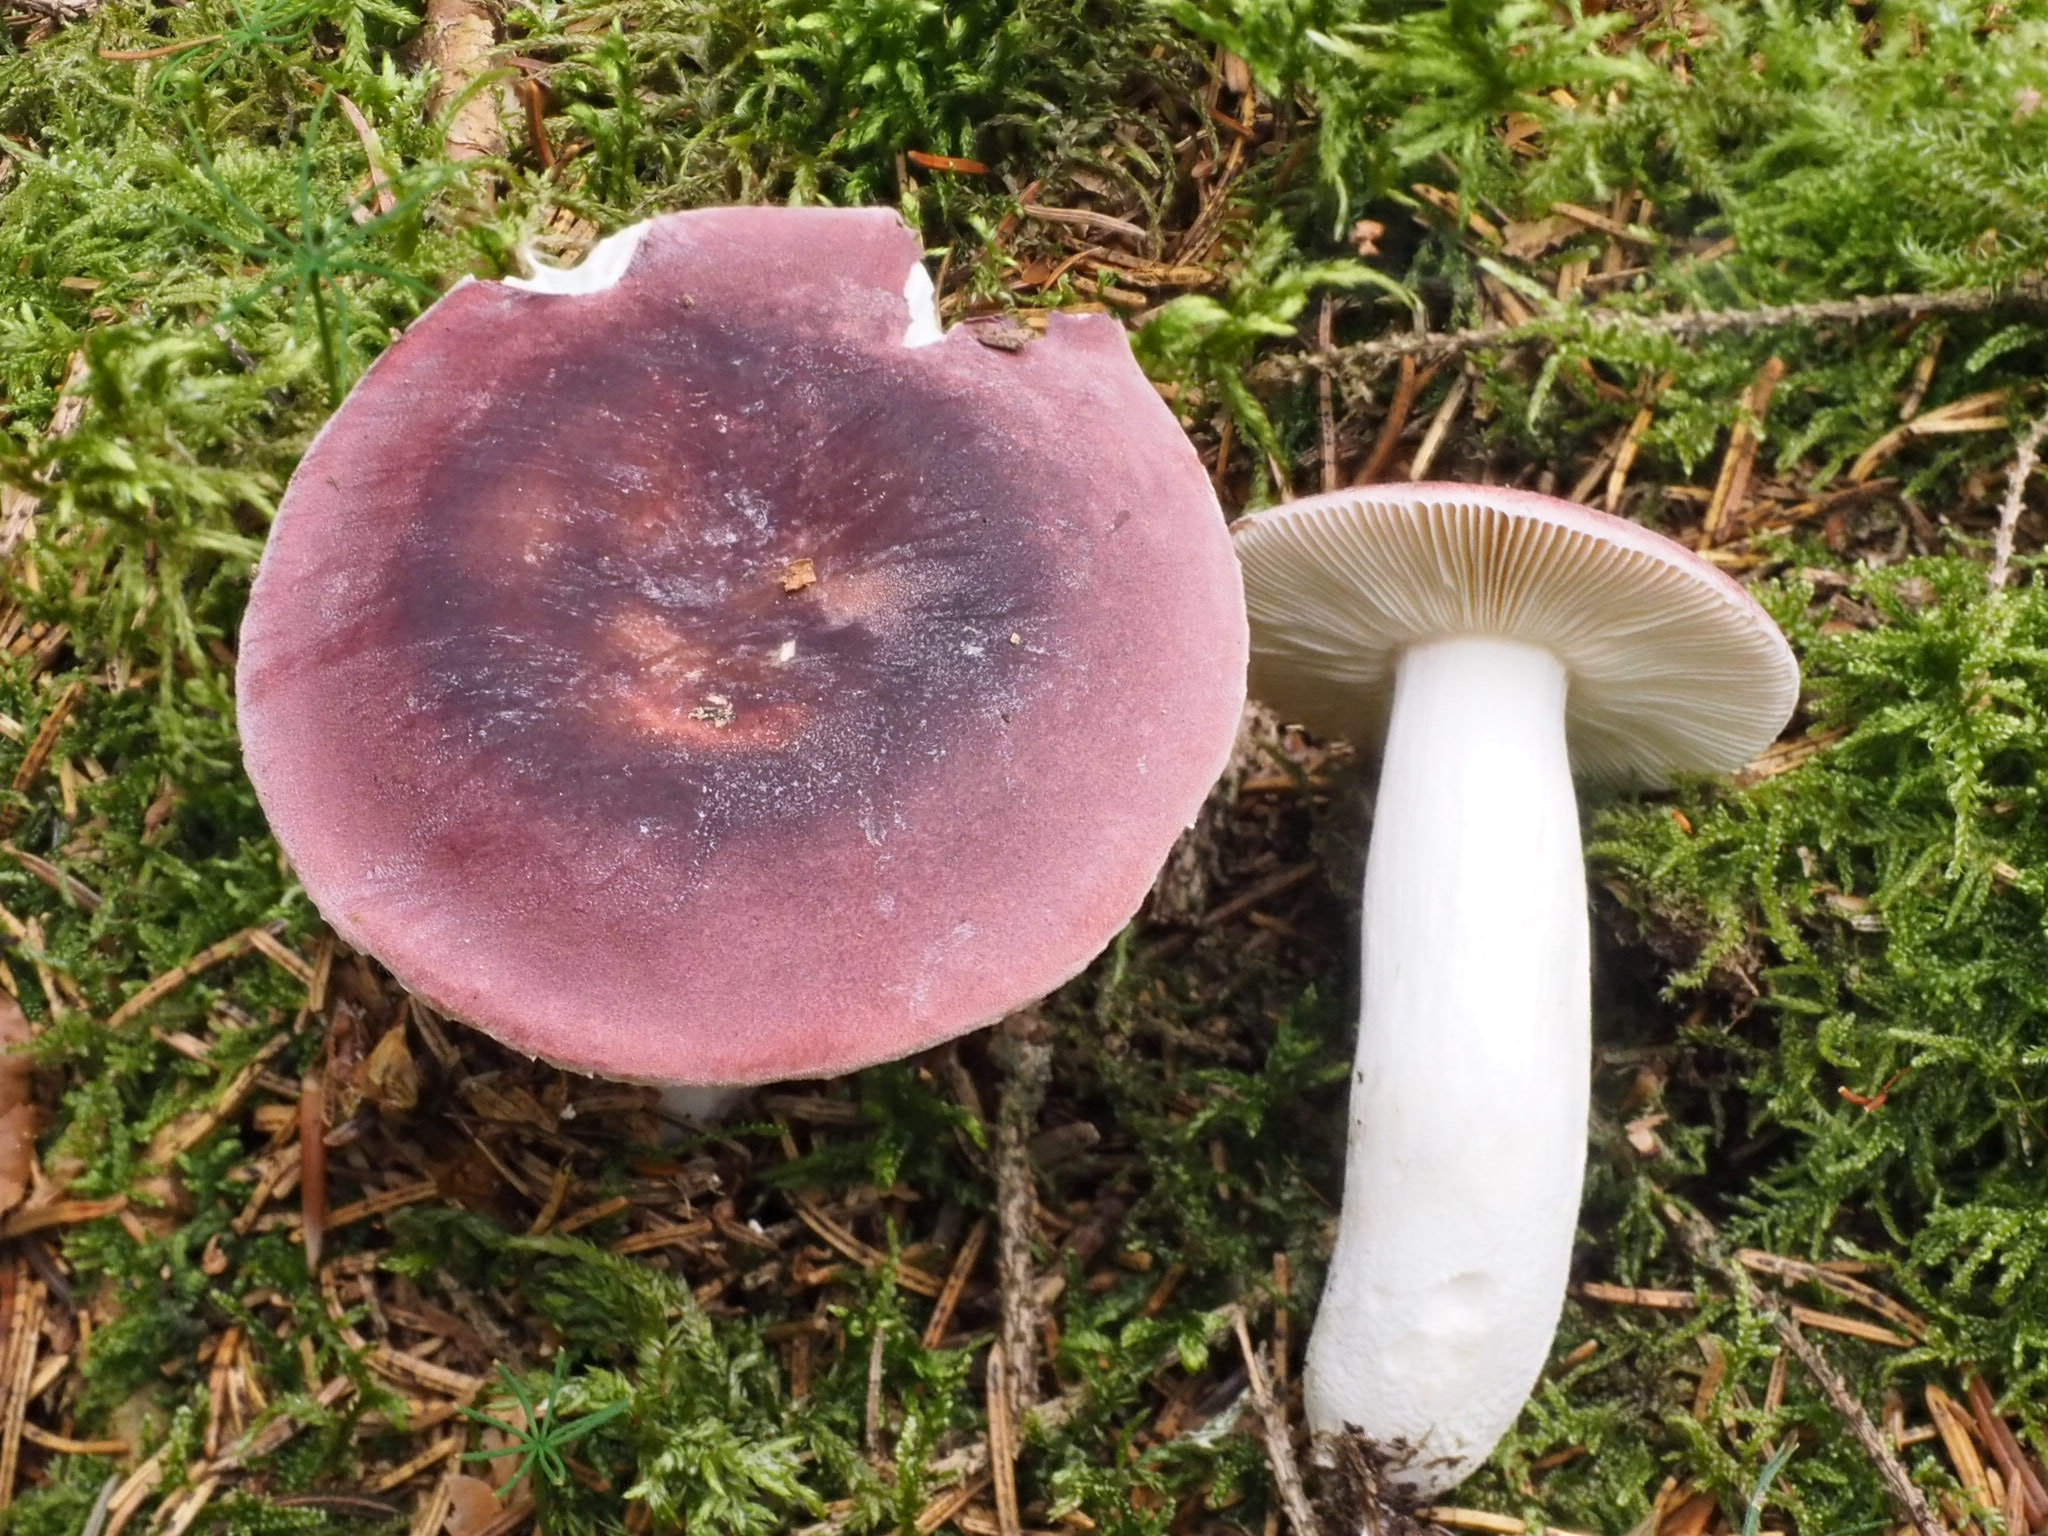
(1822,992)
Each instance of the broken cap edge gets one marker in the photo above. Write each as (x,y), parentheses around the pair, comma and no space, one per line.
(605,265)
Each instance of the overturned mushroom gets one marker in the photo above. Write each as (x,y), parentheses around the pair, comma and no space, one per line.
(1494,639)
(699,668)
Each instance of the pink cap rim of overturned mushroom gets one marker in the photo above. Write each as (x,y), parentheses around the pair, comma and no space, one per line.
(901,767)
(1674,667)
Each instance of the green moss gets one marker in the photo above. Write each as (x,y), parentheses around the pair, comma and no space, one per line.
(1897,880)
(192,229)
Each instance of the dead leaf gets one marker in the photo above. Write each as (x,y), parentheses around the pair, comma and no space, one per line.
(502,1469)
(957,163)
(1237,74)
(1530,238)
(799,574)
(490,1096)
(1004,337)
(17,1107)
(1642,1134)
(472,1506)
(391,1079)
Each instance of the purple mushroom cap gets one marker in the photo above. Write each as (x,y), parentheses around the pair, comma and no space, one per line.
(705,672)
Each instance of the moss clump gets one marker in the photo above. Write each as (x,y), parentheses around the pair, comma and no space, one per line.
(196,259)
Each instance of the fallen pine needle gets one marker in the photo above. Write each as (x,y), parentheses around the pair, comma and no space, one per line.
(1954,1429)
(1002,1442)
(662,1237)
(378,1204)
(1704,1243)
(2019,1469)
(907,1276)
(1637,1296)
(406,1471)
(24,1341)
(942,1509)
(265,943)
(55,878)
(1854,1327)
(313,1166)
(50,1441)
(1483,1520)
(38,755)
(592,1214)
(956,1284)
(60,1213)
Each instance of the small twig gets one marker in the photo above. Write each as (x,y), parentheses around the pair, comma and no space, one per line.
(432,1514)
(1301,1516)
(1086,218)
(158,988)
(1684,325)
(1704,1243)
(2023,463)
(942,1509)
(877,1357)
(60,1213)
(835,1234)
(457,42)
(1024,1050)
(188,1130)
(1845,1286)
(1982,412)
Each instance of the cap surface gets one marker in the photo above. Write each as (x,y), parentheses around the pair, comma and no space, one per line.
(707,672)
(1674,667)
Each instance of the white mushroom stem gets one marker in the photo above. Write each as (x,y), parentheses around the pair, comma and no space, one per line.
(1468,1104)
(691,1107)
